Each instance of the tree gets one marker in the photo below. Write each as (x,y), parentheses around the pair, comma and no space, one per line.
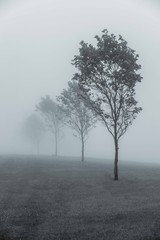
(78,116)
(53,117)
(34,130)
(107,76)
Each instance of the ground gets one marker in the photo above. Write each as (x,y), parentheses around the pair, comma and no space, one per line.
(62,198)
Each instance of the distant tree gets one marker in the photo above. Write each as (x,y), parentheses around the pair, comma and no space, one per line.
(78,116)
(107,76)
(33,129)
(53,117)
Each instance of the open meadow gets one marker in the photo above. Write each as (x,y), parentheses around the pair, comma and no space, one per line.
(62,198)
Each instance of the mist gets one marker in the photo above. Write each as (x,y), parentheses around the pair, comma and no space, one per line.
(63,174)
(38,40)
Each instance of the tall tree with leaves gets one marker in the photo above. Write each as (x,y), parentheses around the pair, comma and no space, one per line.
(33,129)
(53,117)
(107,75)
(78,116)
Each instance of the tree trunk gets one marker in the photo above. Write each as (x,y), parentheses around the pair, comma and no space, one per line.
(37,149)
(116,160)
(56,145)
(82,149)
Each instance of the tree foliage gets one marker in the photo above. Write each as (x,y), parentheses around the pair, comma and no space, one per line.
(107,76)
(78,116)
(53,117)
(33,129)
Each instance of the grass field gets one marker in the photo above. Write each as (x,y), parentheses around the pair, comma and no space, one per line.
(63,198)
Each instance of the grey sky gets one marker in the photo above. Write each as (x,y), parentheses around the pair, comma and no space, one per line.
(38,39)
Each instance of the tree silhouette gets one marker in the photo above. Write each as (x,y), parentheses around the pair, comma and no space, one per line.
(78,116)
(107,76)
(53,117)
(33,129)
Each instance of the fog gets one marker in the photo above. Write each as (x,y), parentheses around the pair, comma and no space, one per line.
(38,40)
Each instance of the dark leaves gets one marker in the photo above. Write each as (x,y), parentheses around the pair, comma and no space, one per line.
(107,76)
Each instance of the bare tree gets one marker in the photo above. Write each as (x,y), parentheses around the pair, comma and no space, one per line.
(107,75)
(33,129)
(78,116)
(53,117)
